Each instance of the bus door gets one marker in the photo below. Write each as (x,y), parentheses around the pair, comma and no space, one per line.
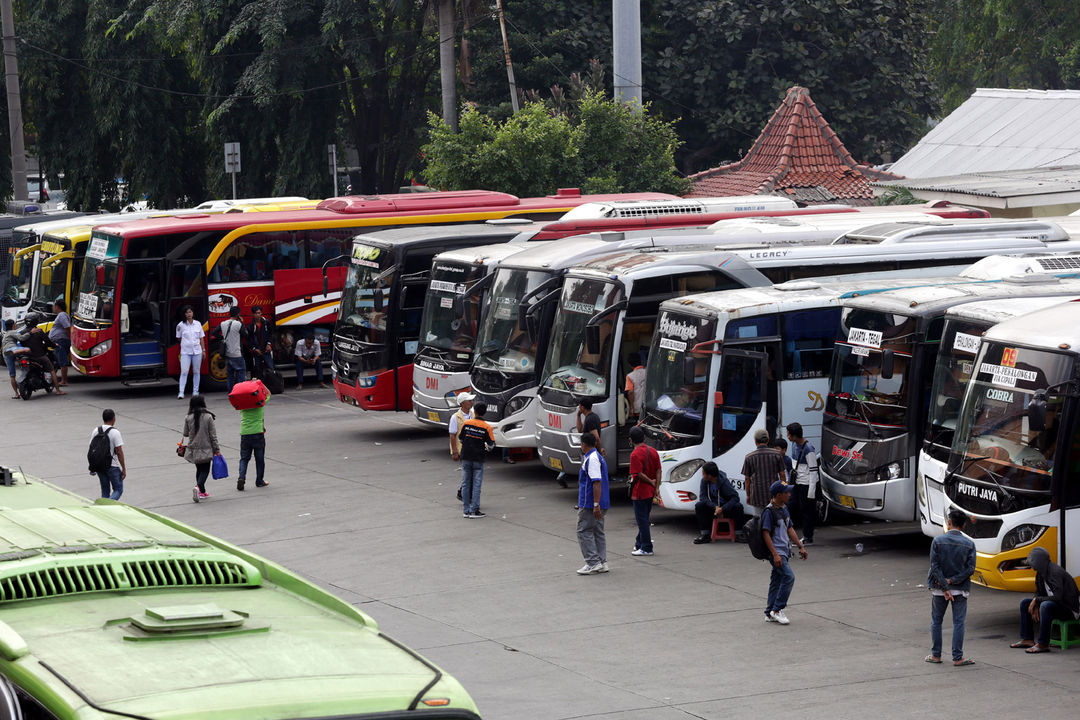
(141,322)
(739,400)
(186,286)
(412,293)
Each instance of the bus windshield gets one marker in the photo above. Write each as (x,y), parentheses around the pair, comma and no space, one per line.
(998,440)
(96,298)
(955,361)
(572,369)
(859,389)
(676,381)
(504,344)
(366,297)
(17,287)
(442,328)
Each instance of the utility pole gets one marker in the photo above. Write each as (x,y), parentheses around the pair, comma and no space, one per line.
(506,54)
(14,102)
(446,63)
(626,43)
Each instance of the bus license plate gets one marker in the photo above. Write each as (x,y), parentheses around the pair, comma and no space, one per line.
(846,501)
(556,463)
(433,416)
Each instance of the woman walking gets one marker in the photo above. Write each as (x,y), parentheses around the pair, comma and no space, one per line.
(192,347)
(200,443)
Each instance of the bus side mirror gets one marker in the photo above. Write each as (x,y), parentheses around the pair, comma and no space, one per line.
(887,360)
(99,275)
(592,339)
(1036,411)
(46,275)
(325,285)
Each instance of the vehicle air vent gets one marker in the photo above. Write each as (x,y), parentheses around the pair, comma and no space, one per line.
(640,210)
(183,572)
(1070,262)
(58,580)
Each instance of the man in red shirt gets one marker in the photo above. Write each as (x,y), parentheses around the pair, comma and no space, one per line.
(644,475)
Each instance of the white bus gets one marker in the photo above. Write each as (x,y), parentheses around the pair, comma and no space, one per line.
(1015,461)
(879,388)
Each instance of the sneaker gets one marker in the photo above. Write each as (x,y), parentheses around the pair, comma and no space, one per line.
(509,460)
(702,539)
(588,569)
(459,493)
(561,479)
(807,541)
(639,552)
(603,568)
(195,494)
(466,515)
(299,386)
(262,484)
(179,397)
(478,514)
(203,495)
(769,616)
(240,484)
(780,617)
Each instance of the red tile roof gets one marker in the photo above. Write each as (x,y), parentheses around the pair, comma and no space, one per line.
(797,155)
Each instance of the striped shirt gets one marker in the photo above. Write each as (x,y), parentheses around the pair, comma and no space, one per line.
(761,468)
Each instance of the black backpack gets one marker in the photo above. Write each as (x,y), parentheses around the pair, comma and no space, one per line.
(754,537)
(99,456)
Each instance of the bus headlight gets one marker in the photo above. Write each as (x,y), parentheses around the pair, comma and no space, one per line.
(920,487)
(101,348)
(1022,535)
(892,471)
(516,405)
(682,473)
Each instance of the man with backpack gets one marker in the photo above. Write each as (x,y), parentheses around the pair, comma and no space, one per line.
(232,333)
(773,530)
(105,458)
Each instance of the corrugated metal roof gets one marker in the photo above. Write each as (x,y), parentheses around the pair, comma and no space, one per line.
(1003,184)
(997,129)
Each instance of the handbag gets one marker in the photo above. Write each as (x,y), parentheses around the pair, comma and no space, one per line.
(219,469)
(181,448)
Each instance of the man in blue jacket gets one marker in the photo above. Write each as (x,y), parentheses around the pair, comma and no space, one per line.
(952,562)
(716,497)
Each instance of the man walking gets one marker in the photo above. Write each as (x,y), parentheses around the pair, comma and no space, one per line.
(779,536)
(252,442)
(762,468)
(476,440)
(644,474)
(232,333)
(1056,598)
(107,460)
(593,503)
(261,337)
(464,412)
(952,562)
(805,461)
(717,498)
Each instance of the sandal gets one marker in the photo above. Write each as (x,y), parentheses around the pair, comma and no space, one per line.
(1022,644)
(932,659)
(1037,649)
(962,663)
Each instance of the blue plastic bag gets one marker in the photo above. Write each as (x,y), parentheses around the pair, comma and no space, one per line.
(219,469)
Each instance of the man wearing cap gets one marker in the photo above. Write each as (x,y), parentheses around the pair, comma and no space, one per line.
(465,402)
(779,536)
(761,468)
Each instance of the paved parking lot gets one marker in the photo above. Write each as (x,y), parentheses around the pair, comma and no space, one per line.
(364,505)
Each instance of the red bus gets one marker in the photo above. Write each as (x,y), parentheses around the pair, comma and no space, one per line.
(138,275)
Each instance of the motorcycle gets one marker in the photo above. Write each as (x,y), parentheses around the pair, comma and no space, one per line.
(31,376)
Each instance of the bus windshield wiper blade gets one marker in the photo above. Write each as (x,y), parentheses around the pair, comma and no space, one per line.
(861,404)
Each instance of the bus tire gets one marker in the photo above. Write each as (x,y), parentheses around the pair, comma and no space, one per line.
(217,375)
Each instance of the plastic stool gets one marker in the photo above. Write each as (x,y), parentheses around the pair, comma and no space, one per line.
(1068,633)
(729,533)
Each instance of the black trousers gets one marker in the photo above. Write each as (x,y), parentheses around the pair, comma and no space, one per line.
(706,511)
(806,510)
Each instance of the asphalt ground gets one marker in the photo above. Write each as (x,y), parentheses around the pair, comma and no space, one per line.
(363,504)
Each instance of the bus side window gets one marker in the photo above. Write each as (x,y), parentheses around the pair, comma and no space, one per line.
(16,704)
(809,336)
(1070,474)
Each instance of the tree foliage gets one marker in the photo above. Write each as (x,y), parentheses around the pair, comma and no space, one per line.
(597,144)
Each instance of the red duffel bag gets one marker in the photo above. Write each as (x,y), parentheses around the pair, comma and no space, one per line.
(248,395)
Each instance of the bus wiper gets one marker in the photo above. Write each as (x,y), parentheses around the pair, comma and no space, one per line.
(861,404)
(966,463)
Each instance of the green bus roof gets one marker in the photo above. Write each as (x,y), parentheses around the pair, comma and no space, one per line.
(106,607)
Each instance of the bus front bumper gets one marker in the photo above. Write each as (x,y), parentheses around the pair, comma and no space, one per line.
(371,392)
(887,500)
(1008,570)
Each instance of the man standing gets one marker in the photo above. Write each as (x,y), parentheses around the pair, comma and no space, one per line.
(1056,598)
(952,561)
(593,503)
(644,475)
(635,383)
(779,536)
(761,468)
(464,412)
(261,337)
(717,498)
(308,354)
(110,475)
(232,333)
(476,440)
(60,336)
(252,442)
(588,422)
(805,461)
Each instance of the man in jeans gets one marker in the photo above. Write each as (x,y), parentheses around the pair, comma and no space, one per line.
(232,333)
(804,460)
(476,440)
(252,442)
(1056,598)
(644,474)
(112,480)
(779,537)
(952,561)
(593,504)
(716,498)
(261,336)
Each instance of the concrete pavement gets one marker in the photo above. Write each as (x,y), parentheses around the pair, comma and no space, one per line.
(363,504)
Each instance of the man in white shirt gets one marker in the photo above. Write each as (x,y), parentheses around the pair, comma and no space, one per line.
(112,480)
(308,354)
(465,400)
(232,332)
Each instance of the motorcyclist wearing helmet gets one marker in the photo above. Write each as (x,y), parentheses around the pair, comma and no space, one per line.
(40,347)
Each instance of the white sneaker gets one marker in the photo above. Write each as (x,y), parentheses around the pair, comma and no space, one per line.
(769,617)
(602,568)
(780,617)
(639,552)
(588,569)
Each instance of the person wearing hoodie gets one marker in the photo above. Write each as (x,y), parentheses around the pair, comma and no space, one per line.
(1056,598)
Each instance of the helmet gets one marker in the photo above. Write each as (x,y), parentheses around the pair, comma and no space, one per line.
(32,319)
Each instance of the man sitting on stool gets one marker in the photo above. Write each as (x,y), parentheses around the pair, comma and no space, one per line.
(716,498)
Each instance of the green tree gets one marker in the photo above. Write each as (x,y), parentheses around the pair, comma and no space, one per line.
(597,144)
